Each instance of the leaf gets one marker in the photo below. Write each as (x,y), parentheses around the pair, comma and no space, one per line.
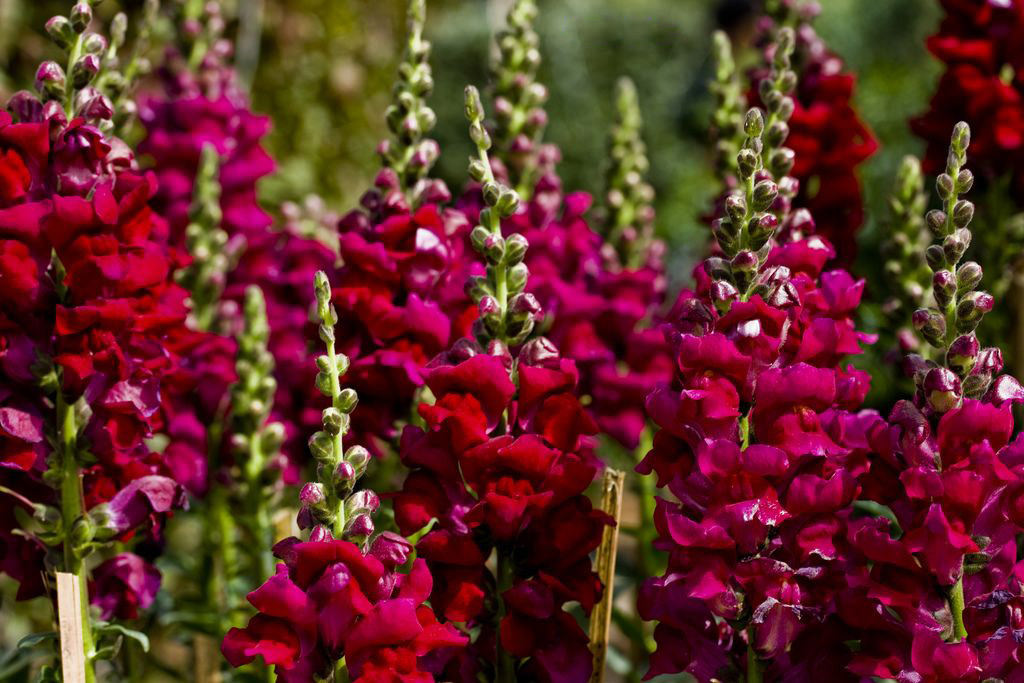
(34,639)
(116,629)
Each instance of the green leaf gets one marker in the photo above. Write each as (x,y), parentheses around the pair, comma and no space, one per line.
(116,629)
(34,639)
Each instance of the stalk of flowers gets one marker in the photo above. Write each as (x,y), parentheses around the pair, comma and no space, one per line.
(936,597)
(201,106)
(88,302)
(404,259)
(826,133)
(981,84)
(500,468)
(759,444)
(597,305)
(904,249)
(338,608)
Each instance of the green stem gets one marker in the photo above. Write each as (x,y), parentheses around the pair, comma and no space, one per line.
(339,450)
(956,604)
(754,672)
(69,86)
(72,508)
(506,666)
(341,671)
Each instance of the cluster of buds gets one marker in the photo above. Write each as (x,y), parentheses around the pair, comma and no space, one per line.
(256,440)
(629,220)
(330,501)
(213,254)
(905,266)
(507,313)
(730,102)
(519,116)
(745,233)
(411,155)
(949,325)
(73,87)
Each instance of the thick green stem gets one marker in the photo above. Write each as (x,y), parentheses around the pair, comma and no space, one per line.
(956,606)
(72,508)
(506,666)
(754,672)
(69,87)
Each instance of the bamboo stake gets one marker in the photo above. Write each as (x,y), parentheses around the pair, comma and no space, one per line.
(601,618)
(207,659)
(69,615)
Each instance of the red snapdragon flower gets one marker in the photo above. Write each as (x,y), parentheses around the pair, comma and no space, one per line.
(399,294)
(514,482)
(978,42)
(330,600)
(102,314)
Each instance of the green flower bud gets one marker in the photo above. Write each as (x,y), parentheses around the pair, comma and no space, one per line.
(347,400)
(753,123)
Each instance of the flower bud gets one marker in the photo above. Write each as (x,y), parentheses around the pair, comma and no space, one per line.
(81,16)
(319,534)
(753,123)
(362,501)
(782,162)
(83,530)
(736,208)
(990,360)
(765,193)
(525,304)
(961,138)
(494,248)
(312,494)
(723,294)
(50,80)
(94,44)
(962,354)
(360,526)
(478,237)
(745,261)
(968,276)
(515,248)
(942,390)
(491,191)
(936,221)
(60,31)
(333,420)
(935,257)
(971,308)
(776,134)
(538,352)
(964,181)
(955,244)
(746,162)
(474,107)
(975,385)
(477,170)
(718,268)
(517,277)
(931,324)
(963,212)
(944,186)
(321,446)
(508,203)
(347,400)
(944,287)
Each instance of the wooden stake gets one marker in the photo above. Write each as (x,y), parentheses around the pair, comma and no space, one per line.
(207,659)
(601,618)
(69,615)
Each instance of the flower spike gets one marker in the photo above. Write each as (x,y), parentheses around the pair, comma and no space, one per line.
(905,265)
(411,154)
(730,103)
(507,313)
(629,223)
(330,502)
(519,116)
(745,233)
(949,325)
